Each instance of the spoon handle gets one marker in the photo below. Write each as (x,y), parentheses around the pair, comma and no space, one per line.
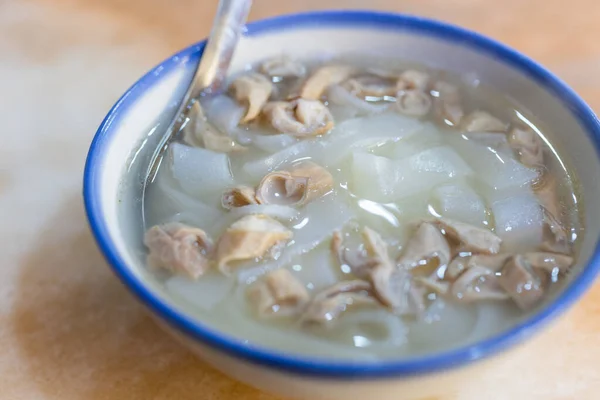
(227,28)
(210,71)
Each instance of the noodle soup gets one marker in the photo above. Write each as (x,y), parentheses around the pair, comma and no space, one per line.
(349,211)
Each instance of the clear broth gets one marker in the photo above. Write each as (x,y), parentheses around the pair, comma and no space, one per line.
(371,334)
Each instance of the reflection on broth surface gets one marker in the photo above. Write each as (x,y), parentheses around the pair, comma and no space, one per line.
(333,209)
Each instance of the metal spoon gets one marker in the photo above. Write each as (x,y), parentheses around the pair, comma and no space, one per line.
(211,69)
(214,64)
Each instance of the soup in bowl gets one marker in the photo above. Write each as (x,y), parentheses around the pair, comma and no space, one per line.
(373,196)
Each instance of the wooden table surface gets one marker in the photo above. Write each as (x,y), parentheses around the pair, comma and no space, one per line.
(68,329)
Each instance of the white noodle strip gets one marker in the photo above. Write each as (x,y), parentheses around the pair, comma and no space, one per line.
(224,113)
(329,150)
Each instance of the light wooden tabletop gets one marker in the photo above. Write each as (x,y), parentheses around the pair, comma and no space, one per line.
(68,330)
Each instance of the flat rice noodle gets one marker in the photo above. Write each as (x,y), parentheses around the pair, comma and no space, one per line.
(459,202)
(200,172)
(261,167)
(192,219)
(174,205)
(427,138)
(497,169)
(224,113)
(265,139)
(382,179)
(393,220)
(443,324)
(342,140)
(204,293)
(442,160)
(519,220)
(342,97)
(341,113)
(244,134)
(413,208)
(382,218)
(314,269)
(273,143)
(377,178)
(182,201)
(360,133)
(321,218)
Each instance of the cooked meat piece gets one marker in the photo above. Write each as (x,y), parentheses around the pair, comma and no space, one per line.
(524,285)
(302,183)
(469,237)
(551,263)
(546,191)
(413,80)
(283,67)
(425,253)
(427,249)
(476,284)
(238,196)
(196,124)
(481,121)
(414,103)
(219,142)
(314,116)
(329,304)
(199,132)
(370,86)
(252,236)
(493,262)
(320,181)
(278,294)
(375,246)
(447,103)
(526,276)
(456,267)
(337,247)
(300,117)
(357,260)
(433,284)
(380,268)
(403,294)
(447,92)
(392,286)
(555,234)
(179,248)
(528,146)
(375,265)
(281,187)
(254,91)
(449,113)
(322,78)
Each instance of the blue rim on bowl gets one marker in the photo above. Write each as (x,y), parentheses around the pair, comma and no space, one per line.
(320,367)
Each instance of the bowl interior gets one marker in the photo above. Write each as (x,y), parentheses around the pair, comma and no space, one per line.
(121,152)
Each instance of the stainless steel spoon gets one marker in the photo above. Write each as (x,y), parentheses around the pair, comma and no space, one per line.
(212,67)
(214,64)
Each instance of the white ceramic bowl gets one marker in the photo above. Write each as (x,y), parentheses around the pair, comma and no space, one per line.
(120,153)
